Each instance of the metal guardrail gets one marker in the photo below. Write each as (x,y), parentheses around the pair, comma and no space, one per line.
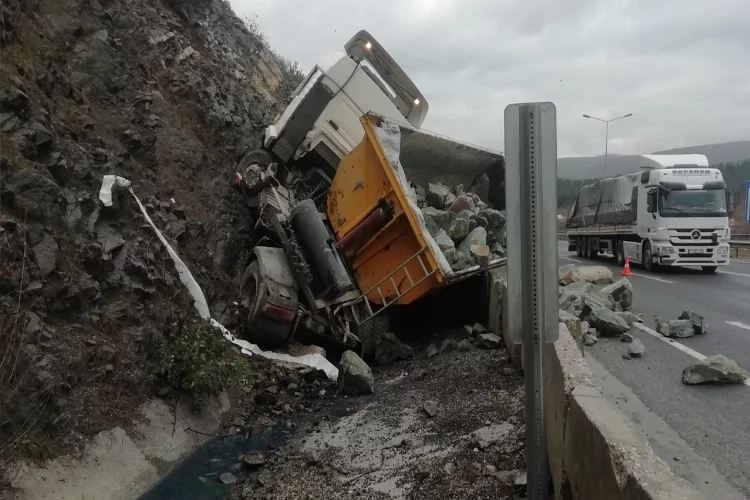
(741,236)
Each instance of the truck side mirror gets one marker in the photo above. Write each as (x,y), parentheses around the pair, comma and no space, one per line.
(651,202)
(730,202)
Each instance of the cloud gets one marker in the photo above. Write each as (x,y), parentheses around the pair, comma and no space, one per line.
(680,66)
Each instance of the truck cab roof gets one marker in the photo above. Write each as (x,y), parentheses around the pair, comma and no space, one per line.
(674,161)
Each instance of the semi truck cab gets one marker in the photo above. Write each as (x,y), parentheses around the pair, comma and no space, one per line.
(685,214)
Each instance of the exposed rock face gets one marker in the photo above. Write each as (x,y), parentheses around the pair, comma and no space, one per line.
(167,94)
(355,377)
(716,369)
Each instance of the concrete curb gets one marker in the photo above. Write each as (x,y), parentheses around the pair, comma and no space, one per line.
(594,450)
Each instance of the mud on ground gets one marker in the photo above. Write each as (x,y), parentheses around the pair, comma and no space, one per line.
(385,445)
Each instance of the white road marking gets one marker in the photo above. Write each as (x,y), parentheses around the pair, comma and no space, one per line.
(572,260)
(738,324)
(652,278)
(674,343)
(732,272)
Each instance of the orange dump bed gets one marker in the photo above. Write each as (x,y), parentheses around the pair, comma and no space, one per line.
(395,264)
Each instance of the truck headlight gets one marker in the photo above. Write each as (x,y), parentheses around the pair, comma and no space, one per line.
(666,250)
(723,251)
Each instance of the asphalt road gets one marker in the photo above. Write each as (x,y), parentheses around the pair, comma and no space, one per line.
(710,422)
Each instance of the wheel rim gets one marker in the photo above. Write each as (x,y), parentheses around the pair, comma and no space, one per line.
(620,253)
(648,259)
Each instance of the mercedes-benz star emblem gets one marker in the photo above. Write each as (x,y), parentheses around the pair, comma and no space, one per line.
(696,234)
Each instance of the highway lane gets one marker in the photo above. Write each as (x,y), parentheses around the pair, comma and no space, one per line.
(713,420)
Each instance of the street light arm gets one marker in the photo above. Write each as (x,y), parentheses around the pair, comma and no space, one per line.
(620,117)
(595,118)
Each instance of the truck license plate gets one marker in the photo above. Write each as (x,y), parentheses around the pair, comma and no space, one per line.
(695,250)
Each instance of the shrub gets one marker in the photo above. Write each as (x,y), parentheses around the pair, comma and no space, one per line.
(200,361)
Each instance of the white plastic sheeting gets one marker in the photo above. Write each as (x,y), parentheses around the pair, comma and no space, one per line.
(389,136)
(312,360)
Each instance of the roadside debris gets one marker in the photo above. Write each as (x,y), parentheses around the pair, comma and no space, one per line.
(717,369)
(621,292)
(355,377)
(488,341)
(432,350)
(430,408)
(636,348)
(598,275)
(700,325)
(227,478)
(388,348)
(675,328)
(626,337)
(463,226)
(607,322)
(589,338)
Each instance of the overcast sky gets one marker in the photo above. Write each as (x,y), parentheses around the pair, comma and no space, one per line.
(682,67)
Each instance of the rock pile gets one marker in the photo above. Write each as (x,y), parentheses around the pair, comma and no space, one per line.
(605,310)
(463,226)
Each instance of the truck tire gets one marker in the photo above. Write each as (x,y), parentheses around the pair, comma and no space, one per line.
(619,252)
(648,257)
(579,246)
(590,253)
(260,157)
(369,331)
(708,269)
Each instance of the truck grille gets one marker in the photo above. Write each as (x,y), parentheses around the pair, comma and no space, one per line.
(694,237)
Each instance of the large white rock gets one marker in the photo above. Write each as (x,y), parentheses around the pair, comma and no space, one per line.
(717,369)
(598,275)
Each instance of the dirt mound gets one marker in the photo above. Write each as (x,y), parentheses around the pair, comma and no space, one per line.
(169,94)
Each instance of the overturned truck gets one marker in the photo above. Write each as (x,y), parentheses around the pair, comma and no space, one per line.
(334,260)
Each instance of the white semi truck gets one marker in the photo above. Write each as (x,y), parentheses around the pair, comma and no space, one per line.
(674,212)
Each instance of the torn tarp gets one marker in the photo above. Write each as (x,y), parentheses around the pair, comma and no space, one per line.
(312,360)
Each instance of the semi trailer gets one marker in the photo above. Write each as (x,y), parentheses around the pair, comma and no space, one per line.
(674,212)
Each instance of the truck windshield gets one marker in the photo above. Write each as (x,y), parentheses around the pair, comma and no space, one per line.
(693,203)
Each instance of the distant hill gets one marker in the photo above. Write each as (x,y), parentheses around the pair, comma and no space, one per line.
(577,168)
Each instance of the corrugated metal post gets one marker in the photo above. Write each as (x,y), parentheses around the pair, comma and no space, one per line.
(531,198)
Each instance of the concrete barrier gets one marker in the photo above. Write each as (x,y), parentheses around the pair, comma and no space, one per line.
(594,451)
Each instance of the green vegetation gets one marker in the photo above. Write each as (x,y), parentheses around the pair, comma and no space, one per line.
(199,360)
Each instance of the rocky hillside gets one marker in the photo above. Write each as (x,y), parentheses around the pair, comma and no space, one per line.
(167,93)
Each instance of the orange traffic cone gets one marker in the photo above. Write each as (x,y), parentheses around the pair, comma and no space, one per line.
(626,269)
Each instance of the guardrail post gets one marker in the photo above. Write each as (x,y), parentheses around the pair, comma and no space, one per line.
(531,201)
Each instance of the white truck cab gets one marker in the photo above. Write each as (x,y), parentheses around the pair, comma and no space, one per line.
(684,214)
(322,123)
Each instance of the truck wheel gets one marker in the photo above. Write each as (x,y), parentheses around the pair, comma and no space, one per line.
(260,157)
(369,332)
(579,246)
(708,269)
(590,253)
(648,257)
(620,253)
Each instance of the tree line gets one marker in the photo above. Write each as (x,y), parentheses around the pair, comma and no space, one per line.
(735,176)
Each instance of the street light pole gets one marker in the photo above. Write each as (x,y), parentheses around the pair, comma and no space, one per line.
(606,134)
